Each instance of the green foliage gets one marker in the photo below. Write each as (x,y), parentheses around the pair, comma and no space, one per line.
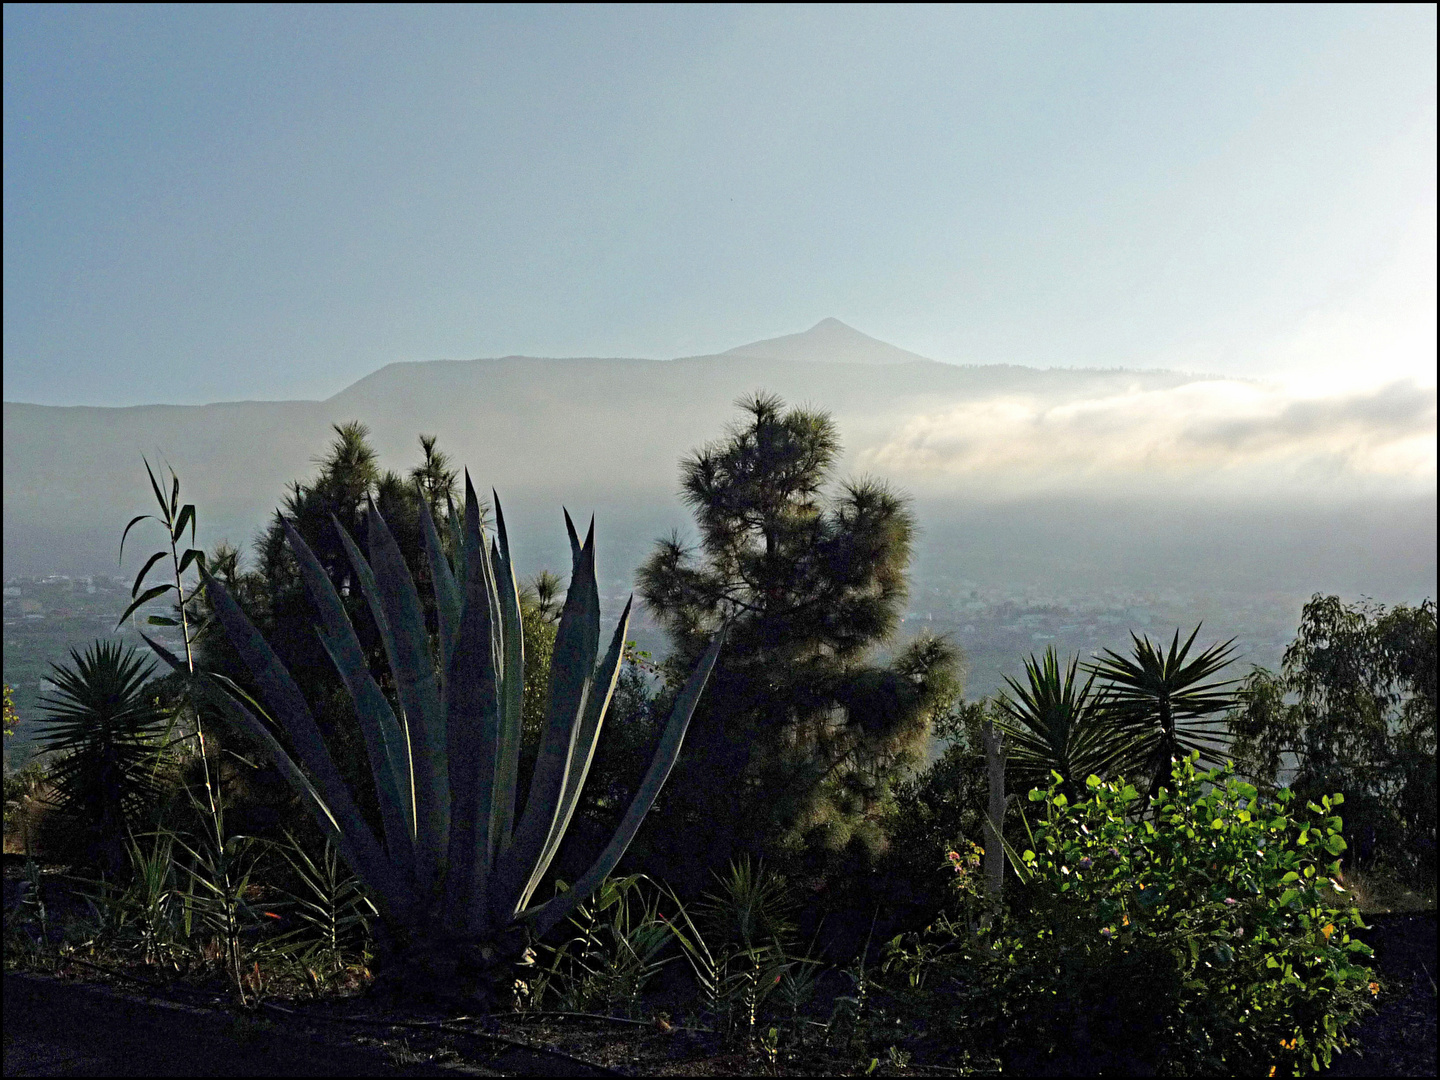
(173,519)
(1162,701)
(1353,710)
(455,864)
(741,951)
(106,730)
(330,907)
(12,717)
(800,740)
(1206,937)
(1055,723)
(937,809)
(614,949)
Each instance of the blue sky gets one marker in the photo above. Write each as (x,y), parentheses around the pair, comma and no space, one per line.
(221,203)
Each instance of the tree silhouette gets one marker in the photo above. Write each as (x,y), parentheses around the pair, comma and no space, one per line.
(800,735)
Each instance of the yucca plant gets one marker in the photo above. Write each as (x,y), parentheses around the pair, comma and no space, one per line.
(1162,699)
(1056,723)
(106,730)
(458,861)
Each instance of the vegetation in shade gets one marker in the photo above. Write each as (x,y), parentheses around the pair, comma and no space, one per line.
(455,863)
(1162,699)
(106,731)
(1194,925)
(801,736)
(1353,710)
(11,716)
(1208,937)
(1056,723)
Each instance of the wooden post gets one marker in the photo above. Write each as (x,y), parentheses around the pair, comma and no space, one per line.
(994,850)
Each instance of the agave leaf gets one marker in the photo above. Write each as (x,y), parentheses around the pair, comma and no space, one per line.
(550,913)
(457,544)
(285,699)
(449,598)
(575,548)
(384,739)
(586,739)
(512,692)
(571,670)
(471,728)
(144,598)
(377,875)
(383,748)
(432,793)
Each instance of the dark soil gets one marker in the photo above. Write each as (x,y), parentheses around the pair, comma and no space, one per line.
(1399,1039)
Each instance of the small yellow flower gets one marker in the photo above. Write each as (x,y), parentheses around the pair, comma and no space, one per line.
(1327,930)
(1272,1070)
(1127,920)
(1374,989)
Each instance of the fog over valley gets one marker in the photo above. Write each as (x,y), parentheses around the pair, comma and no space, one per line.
(1059,506)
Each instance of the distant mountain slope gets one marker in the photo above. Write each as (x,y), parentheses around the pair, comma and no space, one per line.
(580,431)
(828,341)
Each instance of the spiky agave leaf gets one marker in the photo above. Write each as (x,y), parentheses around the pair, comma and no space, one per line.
(402,631)
(572,670)
(385,742)
(512,694)
(328,790)
(549,914)
(472,718)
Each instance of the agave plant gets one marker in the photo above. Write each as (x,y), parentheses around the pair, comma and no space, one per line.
(458,863)
(1164,702)
(1057,724)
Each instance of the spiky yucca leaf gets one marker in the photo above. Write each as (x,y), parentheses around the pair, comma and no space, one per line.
(1055,723)
(1163,700)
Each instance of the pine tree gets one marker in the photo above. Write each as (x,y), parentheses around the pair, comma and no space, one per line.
(801,734)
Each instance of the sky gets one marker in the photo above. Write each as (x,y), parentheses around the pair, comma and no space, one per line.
(219,203)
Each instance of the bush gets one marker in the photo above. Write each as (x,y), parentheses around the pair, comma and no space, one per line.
(1208,936)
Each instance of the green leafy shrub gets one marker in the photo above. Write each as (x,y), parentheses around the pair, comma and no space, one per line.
(1207,936)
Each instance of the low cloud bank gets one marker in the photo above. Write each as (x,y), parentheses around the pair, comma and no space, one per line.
(1216,434)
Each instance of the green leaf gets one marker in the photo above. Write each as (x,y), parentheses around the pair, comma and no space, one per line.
(548,915)
(572,669)
(472,724)
(133,522)
(192,555)
(187,517)
(161,620)
(159,496)
(512,697)
(603,686)
(386,746)
(280,691)
(144,598)
(140,577)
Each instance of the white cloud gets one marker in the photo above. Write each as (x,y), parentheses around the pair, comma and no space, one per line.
(1210,433)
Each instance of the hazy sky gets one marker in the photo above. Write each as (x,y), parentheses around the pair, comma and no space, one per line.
(217,203)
